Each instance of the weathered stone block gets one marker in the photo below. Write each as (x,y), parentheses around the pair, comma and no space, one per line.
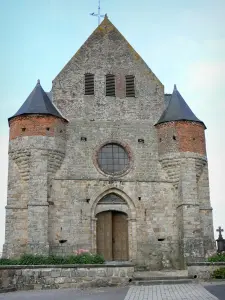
(116,272)
(66,273)
(49,280)
(18,272)
(92,273)
(81,272)
(101,272)
(46,272)
(59,280)
(122,273)
(55,273)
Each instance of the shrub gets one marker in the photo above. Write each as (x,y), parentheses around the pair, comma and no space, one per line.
(29,259)
(217,257)
(219,273)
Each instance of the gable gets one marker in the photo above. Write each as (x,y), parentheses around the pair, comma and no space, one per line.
(138,92)
(106,43)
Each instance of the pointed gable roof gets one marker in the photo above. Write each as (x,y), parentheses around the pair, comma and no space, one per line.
(178,110)
(39,103)
(106,29)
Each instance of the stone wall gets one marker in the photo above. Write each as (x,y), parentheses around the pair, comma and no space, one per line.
(203,270)
(106,51)
(33,161)
(149,237)
(95,120)
(64,276)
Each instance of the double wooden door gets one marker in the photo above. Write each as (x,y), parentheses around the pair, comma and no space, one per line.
(112,235)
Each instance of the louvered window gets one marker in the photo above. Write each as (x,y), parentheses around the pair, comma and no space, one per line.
(89,85)
(110,85)
(130,88)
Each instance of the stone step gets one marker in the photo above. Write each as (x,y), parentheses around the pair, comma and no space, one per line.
(144,278)
(162,281)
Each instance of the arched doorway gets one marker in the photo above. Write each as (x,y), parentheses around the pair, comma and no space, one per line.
(112,235)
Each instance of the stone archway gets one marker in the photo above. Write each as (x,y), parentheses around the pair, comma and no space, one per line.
(121,210)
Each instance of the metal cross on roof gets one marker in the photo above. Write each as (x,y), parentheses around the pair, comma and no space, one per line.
(220,230)
(99,13)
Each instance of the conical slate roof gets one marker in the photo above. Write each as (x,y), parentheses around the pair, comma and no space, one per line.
(38,102)
(177,110)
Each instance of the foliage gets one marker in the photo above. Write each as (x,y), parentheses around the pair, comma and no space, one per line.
(80,258)
(219,273)
(217,257)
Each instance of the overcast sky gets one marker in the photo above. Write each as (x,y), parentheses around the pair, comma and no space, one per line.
(183,42)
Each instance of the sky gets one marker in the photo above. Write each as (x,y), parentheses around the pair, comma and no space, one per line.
(183,42)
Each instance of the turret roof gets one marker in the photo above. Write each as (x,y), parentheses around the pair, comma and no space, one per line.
(38,102)
(177,109)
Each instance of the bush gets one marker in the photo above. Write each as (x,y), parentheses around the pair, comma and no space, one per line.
(217,257)
(219,273)
(29,259)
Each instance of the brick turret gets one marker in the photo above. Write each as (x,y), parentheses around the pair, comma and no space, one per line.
(182,153)
(179,130)
(36,151)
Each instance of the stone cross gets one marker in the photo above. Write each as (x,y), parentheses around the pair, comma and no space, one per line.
(220,230)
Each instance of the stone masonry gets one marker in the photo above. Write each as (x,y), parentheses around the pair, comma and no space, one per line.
(67,276)
(55,182)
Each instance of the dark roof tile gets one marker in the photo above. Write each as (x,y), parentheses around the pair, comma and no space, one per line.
(177,109)
(38,102)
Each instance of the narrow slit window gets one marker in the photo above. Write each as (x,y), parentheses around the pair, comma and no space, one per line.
(130,86)
(110,85)
(89,86)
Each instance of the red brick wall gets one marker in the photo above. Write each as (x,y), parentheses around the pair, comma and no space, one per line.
(33,125)
(181,136)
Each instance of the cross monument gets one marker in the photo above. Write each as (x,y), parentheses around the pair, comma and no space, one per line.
(220,230)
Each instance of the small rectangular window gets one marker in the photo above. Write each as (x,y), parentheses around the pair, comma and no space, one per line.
(89,85)
(110,85)
(130,88)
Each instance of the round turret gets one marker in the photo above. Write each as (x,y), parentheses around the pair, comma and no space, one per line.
(181,136)
(36,152)
(179,130)
(37,117)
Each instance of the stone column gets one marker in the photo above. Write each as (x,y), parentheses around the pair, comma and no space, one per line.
(38,205)
(206,212)
(132,229)
(94,234)
(191,241)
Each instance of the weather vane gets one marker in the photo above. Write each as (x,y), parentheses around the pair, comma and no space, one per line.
(99,13)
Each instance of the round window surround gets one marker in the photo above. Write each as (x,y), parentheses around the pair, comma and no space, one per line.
(113,159)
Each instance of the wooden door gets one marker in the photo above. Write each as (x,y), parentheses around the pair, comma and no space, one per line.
(104,234)
(112,235)
(120,236)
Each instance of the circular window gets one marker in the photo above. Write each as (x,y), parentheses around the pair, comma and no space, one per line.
(113,158)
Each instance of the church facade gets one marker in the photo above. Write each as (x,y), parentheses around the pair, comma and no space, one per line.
(109,163)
